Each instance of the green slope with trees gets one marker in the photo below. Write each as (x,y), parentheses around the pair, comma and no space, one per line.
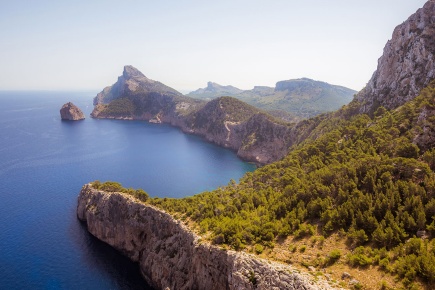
(367,178)
(362,175)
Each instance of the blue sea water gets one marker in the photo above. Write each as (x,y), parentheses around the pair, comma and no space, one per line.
(45,161)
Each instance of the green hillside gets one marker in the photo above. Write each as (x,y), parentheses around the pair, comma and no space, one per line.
(291,100)
(365,178)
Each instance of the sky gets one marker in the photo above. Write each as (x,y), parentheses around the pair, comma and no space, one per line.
(83,45)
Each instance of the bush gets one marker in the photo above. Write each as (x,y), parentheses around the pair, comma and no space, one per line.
(141,195)
(304,230)
(359,258)
(334,255)
(258,249)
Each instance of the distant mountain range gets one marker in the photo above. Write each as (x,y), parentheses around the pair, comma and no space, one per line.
(291,100)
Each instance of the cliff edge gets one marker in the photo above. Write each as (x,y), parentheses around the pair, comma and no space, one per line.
(407,64)
(170,255)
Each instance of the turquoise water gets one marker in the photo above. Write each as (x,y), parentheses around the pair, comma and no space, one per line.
(43,164)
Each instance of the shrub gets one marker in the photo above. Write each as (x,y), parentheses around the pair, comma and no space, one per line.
(334,255)
(258,249)
(359,258)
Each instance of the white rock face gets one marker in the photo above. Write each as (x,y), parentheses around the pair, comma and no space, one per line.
(407,64)
(171,256)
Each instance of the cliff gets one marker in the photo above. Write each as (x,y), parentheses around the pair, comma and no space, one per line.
(170,255)
(407,64)
(131,81)
(71,112)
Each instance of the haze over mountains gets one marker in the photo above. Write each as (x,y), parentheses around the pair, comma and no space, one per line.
(291,100)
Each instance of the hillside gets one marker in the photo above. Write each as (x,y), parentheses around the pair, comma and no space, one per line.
(368,183)
(354,198)
(214,90)
(291,100)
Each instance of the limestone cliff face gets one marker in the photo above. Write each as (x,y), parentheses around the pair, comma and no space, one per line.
(170,255)
(407,64)
(71,112)
(252,134)
(132,81)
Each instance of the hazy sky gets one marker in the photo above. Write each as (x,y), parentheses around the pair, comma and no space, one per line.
(64,45)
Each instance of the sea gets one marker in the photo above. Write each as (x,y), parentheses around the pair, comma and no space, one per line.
(45,161)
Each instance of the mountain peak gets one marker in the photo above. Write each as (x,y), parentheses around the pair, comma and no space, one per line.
(212,85)
(407,64)
(132,72)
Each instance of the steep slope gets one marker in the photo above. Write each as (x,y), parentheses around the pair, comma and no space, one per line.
(253,134)
(132,81)
(170,255)
(407,64)
(135,96)
(291,100)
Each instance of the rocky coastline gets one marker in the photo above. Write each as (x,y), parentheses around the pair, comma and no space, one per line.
(171,256)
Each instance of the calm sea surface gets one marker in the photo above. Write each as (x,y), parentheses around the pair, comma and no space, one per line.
(45,161)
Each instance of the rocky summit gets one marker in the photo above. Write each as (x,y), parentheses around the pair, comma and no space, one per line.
(71,112)
(407,64)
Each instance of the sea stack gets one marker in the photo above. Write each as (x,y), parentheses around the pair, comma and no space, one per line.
(71,112)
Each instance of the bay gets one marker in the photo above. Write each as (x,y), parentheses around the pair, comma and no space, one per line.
(45,161)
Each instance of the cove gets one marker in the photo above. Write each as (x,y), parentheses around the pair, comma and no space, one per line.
(43,164)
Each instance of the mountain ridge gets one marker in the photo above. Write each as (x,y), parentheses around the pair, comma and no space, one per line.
(298,98)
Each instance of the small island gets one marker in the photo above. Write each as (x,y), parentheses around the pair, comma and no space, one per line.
(71,112)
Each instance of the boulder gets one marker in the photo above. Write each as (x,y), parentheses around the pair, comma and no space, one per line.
(71,112)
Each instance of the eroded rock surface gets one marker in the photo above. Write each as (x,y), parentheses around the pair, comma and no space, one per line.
(407,64)
(71,112)
(172,256)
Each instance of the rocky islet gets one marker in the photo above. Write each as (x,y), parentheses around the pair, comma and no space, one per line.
(71,112)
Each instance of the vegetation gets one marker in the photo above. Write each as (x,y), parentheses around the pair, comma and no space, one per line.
(369,178)
(111,186)
(122,107)
(291,100)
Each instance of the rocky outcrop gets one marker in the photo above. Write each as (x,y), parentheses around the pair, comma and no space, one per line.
(407,64)
(132,81)
(170,255)
(71,112)
(252,134)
